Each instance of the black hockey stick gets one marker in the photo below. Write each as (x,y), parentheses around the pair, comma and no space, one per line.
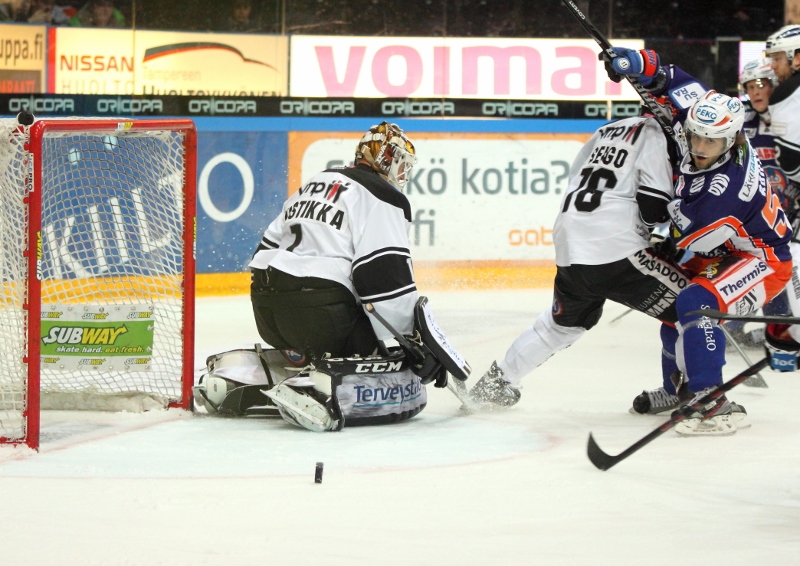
(601,40)
(719,315)
(605,461)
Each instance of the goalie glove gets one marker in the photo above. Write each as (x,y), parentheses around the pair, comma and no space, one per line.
(782,350)
(424,363)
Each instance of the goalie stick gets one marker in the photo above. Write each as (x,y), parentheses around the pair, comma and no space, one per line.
(604,461)
(604,44)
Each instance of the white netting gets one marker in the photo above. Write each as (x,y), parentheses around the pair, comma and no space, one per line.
(112,236)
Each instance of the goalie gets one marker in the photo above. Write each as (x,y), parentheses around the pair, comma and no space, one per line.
(340,242)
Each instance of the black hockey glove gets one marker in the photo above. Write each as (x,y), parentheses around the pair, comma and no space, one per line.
(665,248)
(423,363)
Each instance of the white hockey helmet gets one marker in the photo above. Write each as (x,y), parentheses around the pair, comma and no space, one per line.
(715,115)
(786,39)
(757,70)
(387,149)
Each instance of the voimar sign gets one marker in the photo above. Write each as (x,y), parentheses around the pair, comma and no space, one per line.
(419,67)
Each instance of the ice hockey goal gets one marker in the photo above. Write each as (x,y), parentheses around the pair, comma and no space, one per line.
(98,223)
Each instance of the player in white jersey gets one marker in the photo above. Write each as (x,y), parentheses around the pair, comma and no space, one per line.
(620,184)
(341,240)
(783,49)
(339,243)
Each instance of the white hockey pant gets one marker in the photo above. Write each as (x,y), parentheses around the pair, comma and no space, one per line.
(535,345)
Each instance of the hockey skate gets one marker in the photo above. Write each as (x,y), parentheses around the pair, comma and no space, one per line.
(656,402)
(721,417)
(493,390)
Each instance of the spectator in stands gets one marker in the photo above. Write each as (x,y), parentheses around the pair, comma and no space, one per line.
(14,10)
(98,14)
(239,18)
(46,12)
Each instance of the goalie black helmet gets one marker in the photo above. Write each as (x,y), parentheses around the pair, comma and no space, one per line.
(389,152)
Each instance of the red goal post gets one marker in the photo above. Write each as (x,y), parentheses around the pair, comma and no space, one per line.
(98,262)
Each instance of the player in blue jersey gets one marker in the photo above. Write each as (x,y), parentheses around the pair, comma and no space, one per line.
(726,213)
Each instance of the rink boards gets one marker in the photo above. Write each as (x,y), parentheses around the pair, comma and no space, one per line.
(484,193)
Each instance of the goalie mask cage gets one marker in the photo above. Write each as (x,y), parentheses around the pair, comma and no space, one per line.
(98,224)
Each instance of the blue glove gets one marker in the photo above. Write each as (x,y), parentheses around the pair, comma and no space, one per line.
(642,64)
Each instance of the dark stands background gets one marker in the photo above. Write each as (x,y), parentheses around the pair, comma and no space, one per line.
(699,36)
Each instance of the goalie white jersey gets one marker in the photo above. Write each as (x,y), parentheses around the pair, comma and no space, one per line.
(600,220)
(350,226)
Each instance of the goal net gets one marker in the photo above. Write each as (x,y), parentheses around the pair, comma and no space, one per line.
(98,224)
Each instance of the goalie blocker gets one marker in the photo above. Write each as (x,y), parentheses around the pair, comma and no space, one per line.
(321,397)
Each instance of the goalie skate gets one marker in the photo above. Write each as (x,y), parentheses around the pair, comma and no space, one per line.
(302,403)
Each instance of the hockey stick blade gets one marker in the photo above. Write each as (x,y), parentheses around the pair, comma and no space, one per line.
(604,461)
(719,315)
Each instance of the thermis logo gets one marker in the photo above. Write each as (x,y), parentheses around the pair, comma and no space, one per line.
(82,335)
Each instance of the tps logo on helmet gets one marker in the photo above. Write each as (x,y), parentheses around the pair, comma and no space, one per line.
(706,114)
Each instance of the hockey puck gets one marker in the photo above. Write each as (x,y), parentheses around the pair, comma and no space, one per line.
(318,472)
(25,118)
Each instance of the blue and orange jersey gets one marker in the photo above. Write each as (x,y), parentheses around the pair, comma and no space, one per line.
(728,207)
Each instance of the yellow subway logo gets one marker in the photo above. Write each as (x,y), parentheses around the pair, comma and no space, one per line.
(92,362)
(52,314)
(93,335)
(140,315)
(50,360)
(95,316)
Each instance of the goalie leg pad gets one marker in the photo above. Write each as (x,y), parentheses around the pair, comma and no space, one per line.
(211,392)
(308,401)
(434,339)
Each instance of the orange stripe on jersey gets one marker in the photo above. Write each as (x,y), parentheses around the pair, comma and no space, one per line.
(727,221)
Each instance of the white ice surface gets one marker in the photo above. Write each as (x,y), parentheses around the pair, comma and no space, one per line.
(511,487)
